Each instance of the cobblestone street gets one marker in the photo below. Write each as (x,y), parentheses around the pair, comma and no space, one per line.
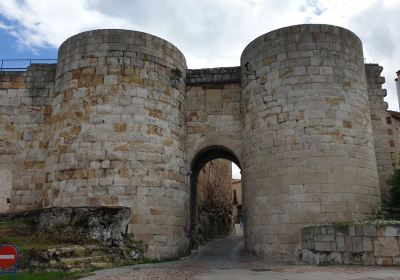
(224,259)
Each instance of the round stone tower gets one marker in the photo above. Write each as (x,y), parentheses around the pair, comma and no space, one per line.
(118,133)
(308,154)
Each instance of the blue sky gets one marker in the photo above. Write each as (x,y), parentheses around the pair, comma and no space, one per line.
(210,33)
(11,48)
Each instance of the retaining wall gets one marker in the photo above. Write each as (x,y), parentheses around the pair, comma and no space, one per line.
(360,244)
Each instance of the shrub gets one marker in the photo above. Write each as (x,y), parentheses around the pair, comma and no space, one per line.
(394,183)
(391,209)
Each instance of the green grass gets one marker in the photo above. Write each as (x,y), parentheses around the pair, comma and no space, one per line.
(5,223)
(43,276)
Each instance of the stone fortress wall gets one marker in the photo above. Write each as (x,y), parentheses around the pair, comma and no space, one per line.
(118,134)
(25,120)
(213,114)
(120,121)
(309,135)
(384,125)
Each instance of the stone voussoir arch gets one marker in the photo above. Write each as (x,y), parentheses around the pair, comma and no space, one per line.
(216,143)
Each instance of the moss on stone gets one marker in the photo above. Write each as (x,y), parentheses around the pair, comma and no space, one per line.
(373,221)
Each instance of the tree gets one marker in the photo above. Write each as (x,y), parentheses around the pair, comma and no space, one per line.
(394,183)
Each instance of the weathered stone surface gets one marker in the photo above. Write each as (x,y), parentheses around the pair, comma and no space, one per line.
(213,75)
(214,200)
(312,146)
(119,121)
(78,239)
(386,247)
(373,245)
(125,98)
(25,109)
(105,224)
(5,189)
(382,126)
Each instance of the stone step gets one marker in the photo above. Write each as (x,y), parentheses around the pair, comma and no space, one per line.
(76,251)
(80,263)
(94,265)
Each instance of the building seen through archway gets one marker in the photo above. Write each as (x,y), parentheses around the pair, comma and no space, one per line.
(215,204)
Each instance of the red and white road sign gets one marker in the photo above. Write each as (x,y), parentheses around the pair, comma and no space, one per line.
(8,256)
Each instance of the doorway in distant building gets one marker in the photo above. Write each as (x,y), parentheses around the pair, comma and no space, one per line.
(237,204)
(216,196)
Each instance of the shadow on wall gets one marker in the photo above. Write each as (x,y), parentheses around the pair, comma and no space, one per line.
(5,189)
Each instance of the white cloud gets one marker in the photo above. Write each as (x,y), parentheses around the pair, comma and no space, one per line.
(43,23)
(5,27)
(210,33)
(376,23)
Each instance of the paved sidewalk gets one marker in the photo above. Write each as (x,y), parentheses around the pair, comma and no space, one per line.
(292,273)
(224,260)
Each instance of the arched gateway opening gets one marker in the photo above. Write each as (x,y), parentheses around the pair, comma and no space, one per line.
(206,159)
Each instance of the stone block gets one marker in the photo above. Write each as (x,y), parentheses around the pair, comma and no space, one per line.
(352,230)
(110,79)
(369,230)
(213,100)
(340,243)
(27,136)
(326,237)
(331,230)
(358,230)
(323,246)
(386,247)
(120,127)
(357,244)
(322,258)
(349,244)
(388,261)
(346,258)
(333,247)
(368,259)
(106,181)
(95,164)
(300,70)
(392,231)
(335,258)
(367,244)
(105,164)
(326,70)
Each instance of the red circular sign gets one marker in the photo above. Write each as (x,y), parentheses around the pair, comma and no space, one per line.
(8,256)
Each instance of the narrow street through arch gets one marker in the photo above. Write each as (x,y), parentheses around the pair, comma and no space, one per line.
(225,253)
(224,259)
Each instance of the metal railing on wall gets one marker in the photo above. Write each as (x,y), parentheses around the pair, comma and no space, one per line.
(22,64)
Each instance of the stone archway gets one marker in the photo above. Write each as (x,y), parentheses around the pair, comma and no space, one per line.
(202,157)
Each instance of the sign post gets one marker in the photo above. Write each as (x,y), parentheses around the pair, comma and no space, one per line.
(9,260)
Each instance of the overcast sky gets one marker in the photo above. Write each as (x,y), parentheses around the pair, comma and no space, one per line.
(210,33)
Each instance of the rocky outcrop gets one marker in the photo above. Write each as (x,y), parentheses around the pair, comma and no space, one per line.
(105,224)
(214,200)
(83,238)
